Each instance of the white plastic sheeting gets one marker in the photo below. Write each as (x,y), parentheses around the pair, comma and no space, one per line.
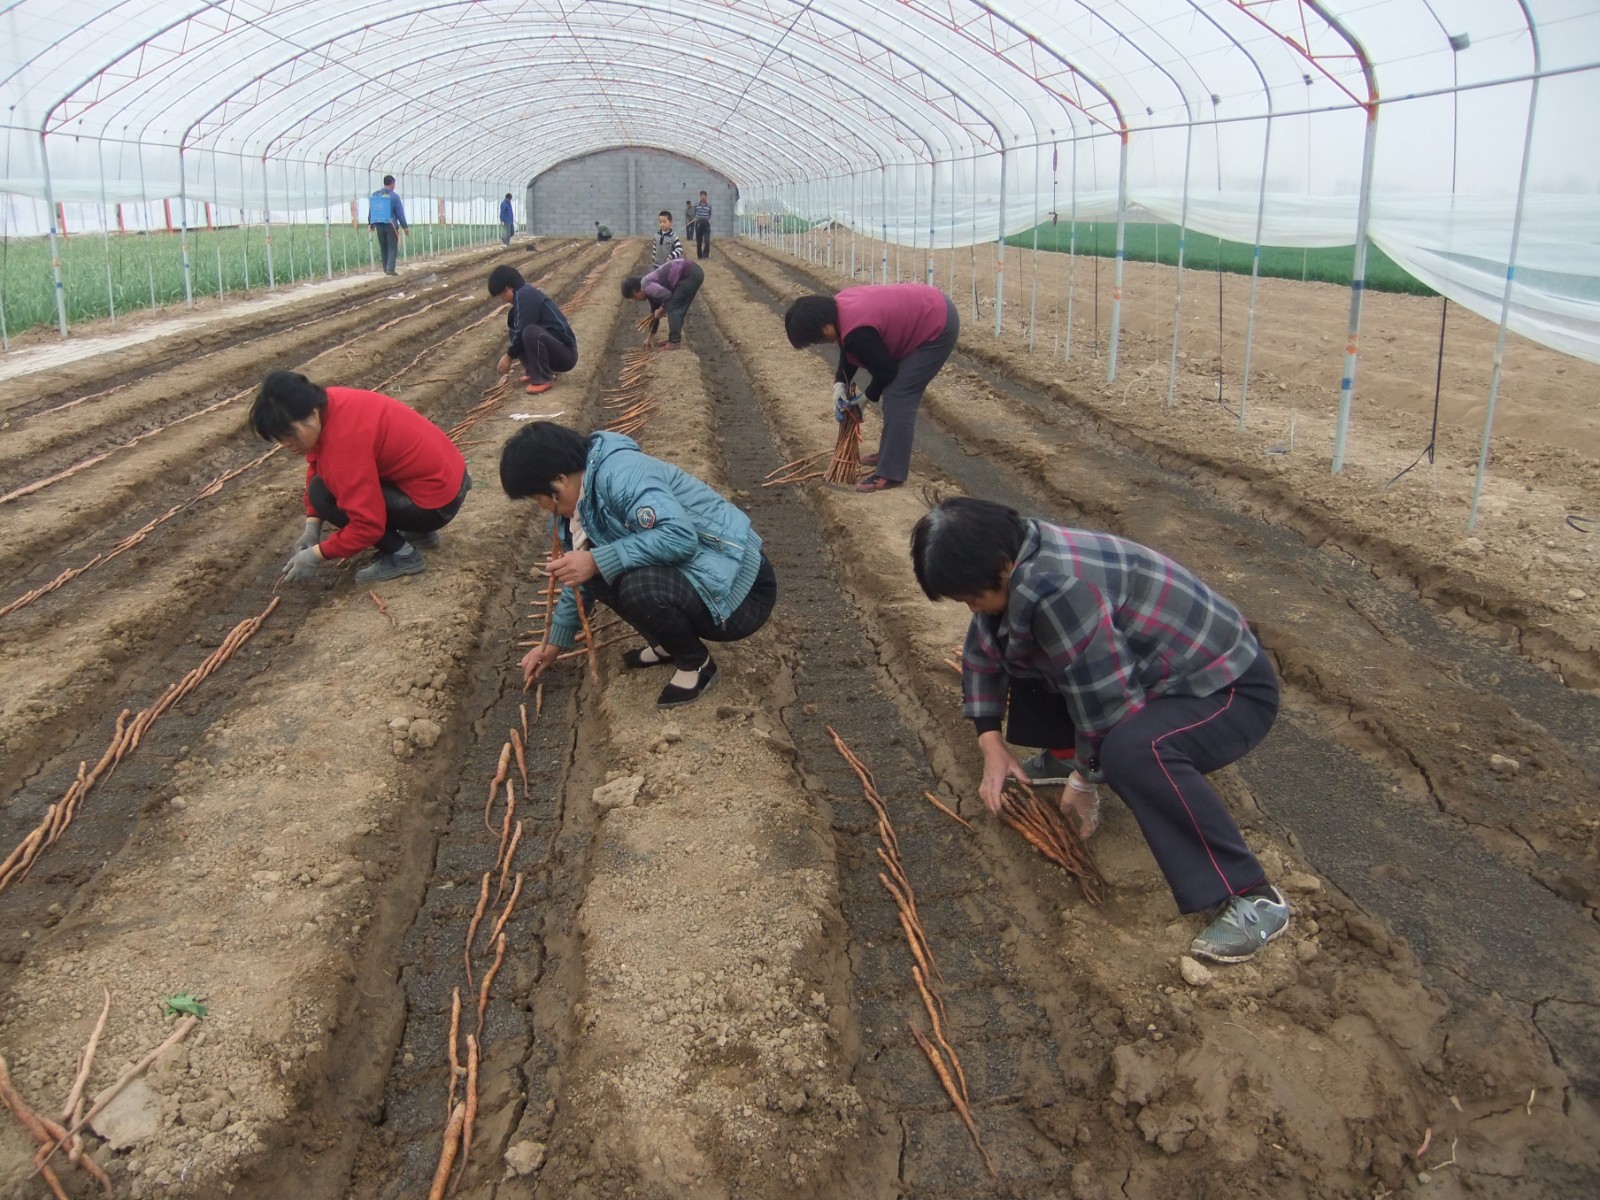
(918,119)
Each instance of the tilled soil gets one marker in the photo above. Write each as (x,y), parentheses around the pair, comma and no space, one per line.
(705,988)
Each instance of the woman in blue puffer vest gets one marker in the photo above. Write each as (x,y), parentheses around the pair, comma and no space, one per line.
(654,544)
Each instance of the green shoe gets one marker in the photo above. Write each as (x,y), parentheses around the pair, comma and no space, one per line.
(1045,769)
(1241,926)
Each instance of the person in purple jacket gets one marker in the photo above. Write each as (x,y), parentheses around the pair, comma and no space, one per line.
(902,333)
(1151,678)
(671,287)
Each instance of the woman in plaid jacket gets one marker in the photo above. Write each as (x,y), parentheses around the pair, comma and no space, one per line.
(1153,681)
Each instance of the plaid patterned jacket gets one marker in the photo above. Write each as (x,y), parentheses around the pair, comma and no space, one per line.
(1108,624)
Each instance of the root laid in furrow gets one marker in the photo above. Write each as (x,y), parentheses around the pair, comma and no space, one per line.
(940,1053)
(124,740)
(1041,825)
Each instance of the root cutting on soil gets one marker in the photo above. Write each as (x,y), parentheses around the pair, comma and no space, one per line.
(125,740)
(1046,831)
(944,1060)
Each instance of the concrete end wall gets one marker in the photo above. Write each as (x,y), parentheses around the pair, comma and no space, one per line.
(625,189)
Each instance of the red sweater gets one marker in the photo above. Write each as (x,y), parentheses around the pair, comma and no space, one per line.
(369,439)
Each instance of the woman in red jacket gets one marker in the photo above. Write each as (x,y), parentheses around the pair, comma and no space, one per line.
(377,470)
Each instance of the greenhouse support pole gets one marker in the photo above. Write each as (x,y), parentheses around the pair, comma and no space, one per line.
(883,223)
(1122,254)
(216,241)
(327,222)
(1177,287)
(144,219)
(897,214)
(183,228)
(55,246)
(974,237)
(266,217)
(933,212)
(952,227)
(1033,303)
(1072,249)
(1000,247)
(1505,299)
(1255,269)
(1358,287)
(105,232)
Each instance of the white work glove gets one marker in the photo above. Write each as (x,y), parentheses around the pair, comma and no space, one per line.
(841,393)
(310,535)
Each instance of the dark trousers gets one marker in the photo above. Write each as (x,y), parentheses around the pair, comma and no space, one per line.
(1157,761)
(662,605)
(388,246)
(506,230)
(402,514)
(543,356)
(702,239)
(903,397)
(678,303)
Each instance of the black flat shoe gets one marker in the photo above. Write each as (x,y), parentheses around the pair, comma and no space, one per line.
(672,695)
(634,661)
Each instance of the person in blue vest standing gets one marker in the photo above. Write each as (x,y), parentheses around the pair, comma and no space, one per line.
(508,221)
(386,217)
(657,546)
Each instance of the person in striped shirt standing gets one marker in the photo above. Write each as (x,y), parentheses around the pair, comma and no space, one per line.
(702,228)
(1142,676)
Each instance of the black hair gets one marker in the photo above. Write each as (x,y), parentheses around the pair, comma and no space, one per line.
(503,277)
(537,454)
(702,191)
(388,181)
(961,547)
(667,213)
(631,286)
(806,317)
(508,195)
(284,399)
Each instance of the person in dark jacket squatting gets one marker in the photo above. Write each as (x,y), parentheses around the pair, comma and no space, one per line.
(902,333)
(663,551)
(1153,679)
(541,339)
(670,288)
(378,471)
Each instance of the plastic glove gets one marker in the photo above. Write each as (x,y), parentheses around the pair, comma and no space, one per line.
(1087,775)
(310,536)
(302,566)
(843,405)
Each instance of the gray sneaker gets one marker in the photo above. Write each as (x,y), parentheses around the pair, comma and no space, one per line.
(405,561)
(422,541)
(1045,769)
(1242,925)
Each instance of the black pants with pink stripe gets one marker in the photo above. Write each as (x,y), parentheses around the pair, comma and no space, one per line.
(1157,761)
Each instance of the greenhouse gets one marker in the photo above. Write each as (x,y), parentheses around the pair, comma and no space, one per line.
(1226,365)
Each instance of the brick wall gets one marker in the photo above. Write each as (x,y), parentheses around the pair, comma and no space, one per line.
(624,189)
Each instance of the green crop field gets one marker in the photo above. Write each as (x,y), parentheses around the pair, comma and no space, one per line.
(1146,242)
(143,270)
